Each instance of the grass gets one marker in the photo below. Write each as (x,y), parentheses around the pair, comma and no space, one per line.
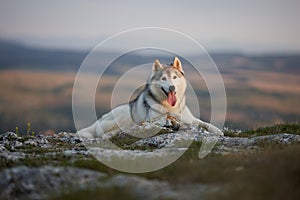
(112,193)
(93,164)
(125,141)
(268,130)
(270,175)
(190,169)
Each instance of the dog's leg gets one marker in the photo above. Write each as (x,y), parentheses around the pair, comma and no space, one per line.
(88,132)
(188,117)
(99,128)
(114,121)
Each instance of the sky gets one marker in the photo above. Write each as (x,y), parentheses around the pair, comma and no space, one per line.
(257,26)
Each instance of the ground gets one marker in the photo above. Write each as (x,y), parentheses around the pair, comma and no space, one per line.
(257,164)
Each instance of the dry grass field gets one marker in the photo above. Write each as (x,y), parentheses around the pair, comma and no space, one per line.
(44,98)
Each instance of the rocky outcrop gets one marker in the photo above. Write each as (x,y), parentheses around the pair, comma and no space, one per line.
(18,181)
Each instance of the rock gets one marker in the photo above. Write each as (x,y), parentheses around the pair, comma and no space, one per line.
(10,140)
(285,139)
(39,183)
(9,136)
(14,148)
(31,142)
(69,138)
(155,190)
(143,188)
(229,145)
(8,155)
(257,143)
(166,140)
(49,181)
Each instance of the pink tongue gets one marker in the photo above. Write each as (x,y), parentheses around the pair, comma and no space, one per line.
(171,98)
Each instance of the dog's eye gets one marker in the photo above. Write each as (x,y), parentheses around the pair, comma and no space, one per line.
(164,78)
(174,77)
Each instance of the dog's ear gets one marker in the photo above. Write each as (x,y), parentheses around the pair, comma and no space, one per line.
(156,66)
(177,65)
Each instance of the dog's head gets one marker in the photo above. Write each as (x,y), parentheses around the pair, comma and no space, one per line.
(167,83)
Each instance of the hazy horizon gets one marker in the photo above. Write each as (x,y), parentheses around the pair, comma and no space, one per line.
(231,26)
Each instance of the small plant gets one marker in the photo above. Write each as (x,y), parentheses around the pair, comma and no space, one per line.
(17,131)
(32,133)
(28,128)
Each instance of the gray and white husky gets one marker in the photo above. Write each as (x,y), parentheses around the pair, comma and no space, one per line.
(162,97)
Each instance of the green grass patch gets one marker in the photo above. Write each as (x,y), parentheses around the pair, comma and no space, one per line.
(273,174)
(220,169)
(93,164)
(191,169)
(107,193)
(125,141)
(58,159)
(268,130)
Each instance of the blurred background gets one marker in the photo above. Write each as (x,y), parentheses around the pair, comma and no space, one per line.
(255,44)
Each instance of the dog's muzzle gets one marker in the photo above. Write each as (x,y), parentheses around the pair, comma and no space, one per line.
(171,89)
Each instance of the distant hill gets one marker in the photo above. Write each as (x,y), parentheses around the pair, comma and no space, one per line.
(260,90)
(18,56)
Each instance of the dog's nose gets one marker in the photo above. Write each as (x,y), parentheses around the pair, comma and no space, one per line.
(172,88)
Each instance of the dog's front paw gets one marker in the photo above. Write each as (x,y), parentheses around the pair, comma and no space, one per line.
(84,134)
(215,130)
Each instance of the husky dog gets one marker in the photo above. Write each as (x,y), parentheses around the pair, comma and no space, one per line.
(163,96)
